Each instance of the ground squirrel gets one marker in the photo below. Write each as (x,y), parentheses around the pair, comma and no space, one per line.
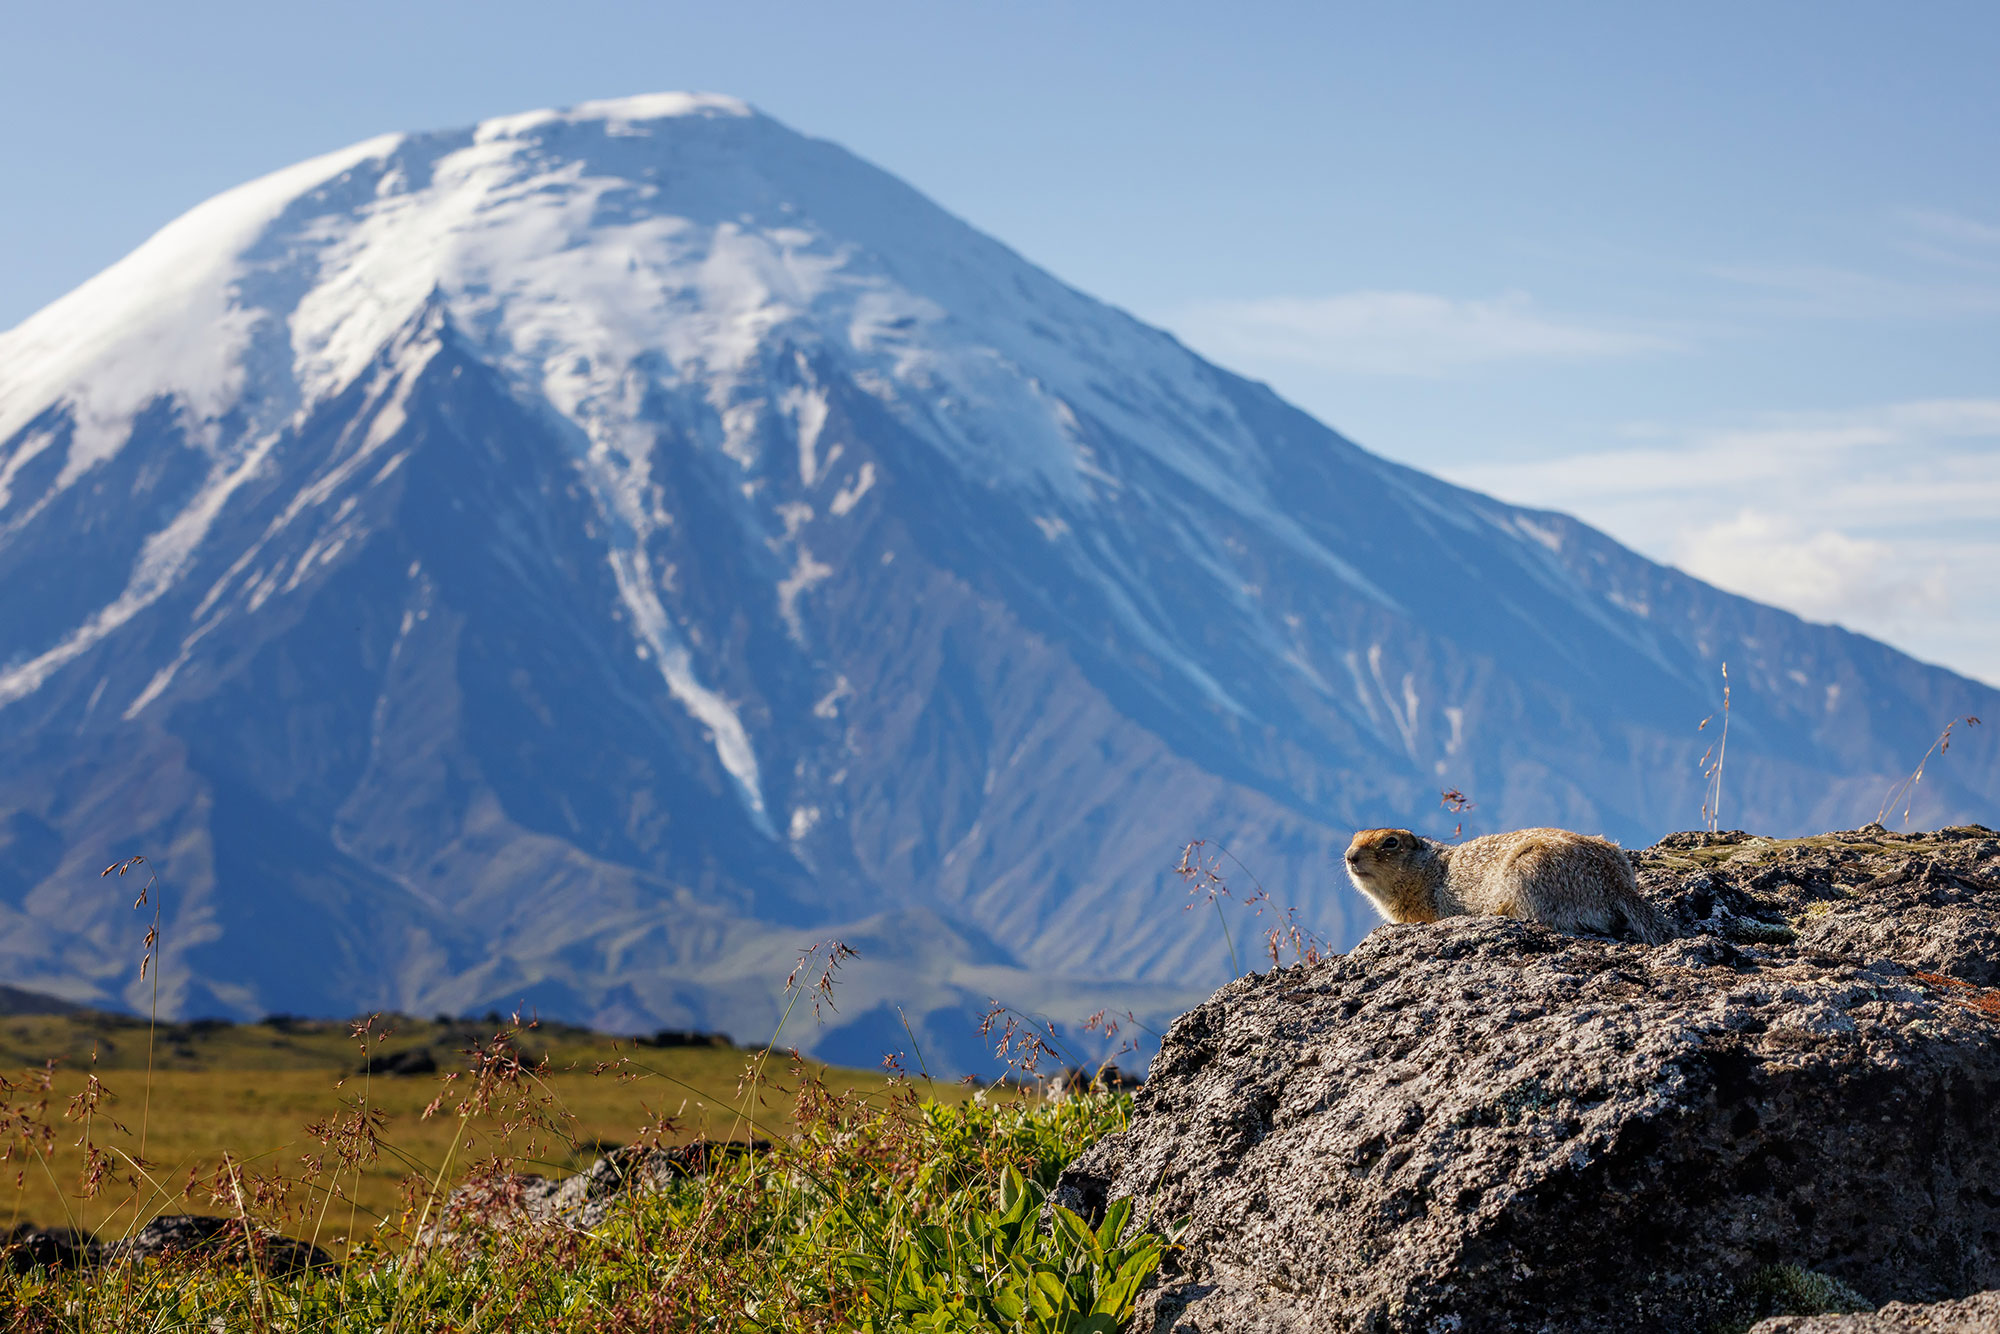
(1567,881)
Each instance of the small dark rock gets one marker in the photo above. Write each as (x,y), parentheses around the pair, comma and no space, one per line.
(1106,1076)
(208,1238)
(685,1037)
(415,1061)
(29,1247)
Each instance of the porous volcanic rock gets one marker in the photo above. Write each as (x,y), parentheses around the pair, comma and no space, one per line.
(1929,901)
(1484,1125)
(1977,1314)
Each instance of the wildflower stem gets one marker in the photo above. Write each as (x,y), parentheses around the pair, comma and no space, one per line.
(1234,970)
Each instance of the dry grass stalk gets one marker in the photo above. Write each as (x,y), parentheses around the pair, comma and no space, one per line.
(1711,802)
(1908,786)
(1457,803)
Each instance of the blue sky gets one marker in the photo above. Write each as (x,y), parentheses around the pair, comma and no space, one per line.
(1721,279)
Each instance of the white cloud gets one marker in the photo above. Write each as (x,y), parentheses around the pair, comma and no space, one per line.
(1821,574)
(1886,520)
(1953,226)
(1966,244)
(1808,292)
(1398,333)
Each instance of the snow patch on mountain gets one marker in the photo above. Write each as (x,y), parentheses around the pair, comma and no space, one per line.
(120,339)
(162,560)
(850,495)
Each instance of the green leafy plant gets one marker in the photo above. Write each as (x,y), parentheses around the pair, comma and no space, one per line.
(999,1268)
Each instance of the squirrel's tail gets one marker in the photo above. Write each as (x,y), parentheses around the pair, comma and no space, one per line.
(1646,921)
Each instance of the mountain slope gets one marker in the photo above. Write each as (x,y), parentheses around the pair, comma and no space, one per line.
(585,558)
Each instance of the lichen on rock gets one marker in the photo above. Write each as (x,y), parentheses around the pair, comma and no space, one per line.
(1977,1314)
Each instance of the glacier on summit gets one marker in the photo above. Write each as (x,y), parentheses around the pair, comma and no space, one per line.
(580,559)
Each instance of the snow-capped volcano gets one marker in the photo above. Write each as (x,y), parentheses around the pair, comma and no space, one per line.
(583,557)
(608,260)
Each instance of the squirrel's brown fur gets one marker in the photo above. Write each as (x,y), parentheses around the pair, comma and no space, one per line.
(1571,882)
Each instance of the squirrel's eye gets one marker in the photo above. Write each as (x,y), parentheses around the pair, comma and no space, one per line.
(1390,844)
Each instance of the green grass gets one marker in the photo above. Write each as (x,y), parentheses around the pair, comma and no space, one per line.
(881,1204)
(876,1213)
(253,1090)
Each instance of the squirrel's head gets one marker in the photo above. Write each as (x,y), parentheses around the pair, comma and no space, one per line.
(1391,867)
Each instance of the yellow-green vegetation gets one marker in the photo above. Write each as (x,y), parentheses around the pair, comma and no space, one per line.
(396,1154)
(877,1213)
(280,1097)
(1744,851)
(1755,850)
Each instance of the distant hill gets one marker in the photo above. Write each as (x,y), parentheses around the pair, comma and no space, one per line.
(581,559)
(13,1000)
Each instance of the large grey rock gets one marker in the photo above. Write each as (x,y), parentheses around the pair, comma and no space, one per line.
(582,1201)
(1482,1125)
(1977,1314)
